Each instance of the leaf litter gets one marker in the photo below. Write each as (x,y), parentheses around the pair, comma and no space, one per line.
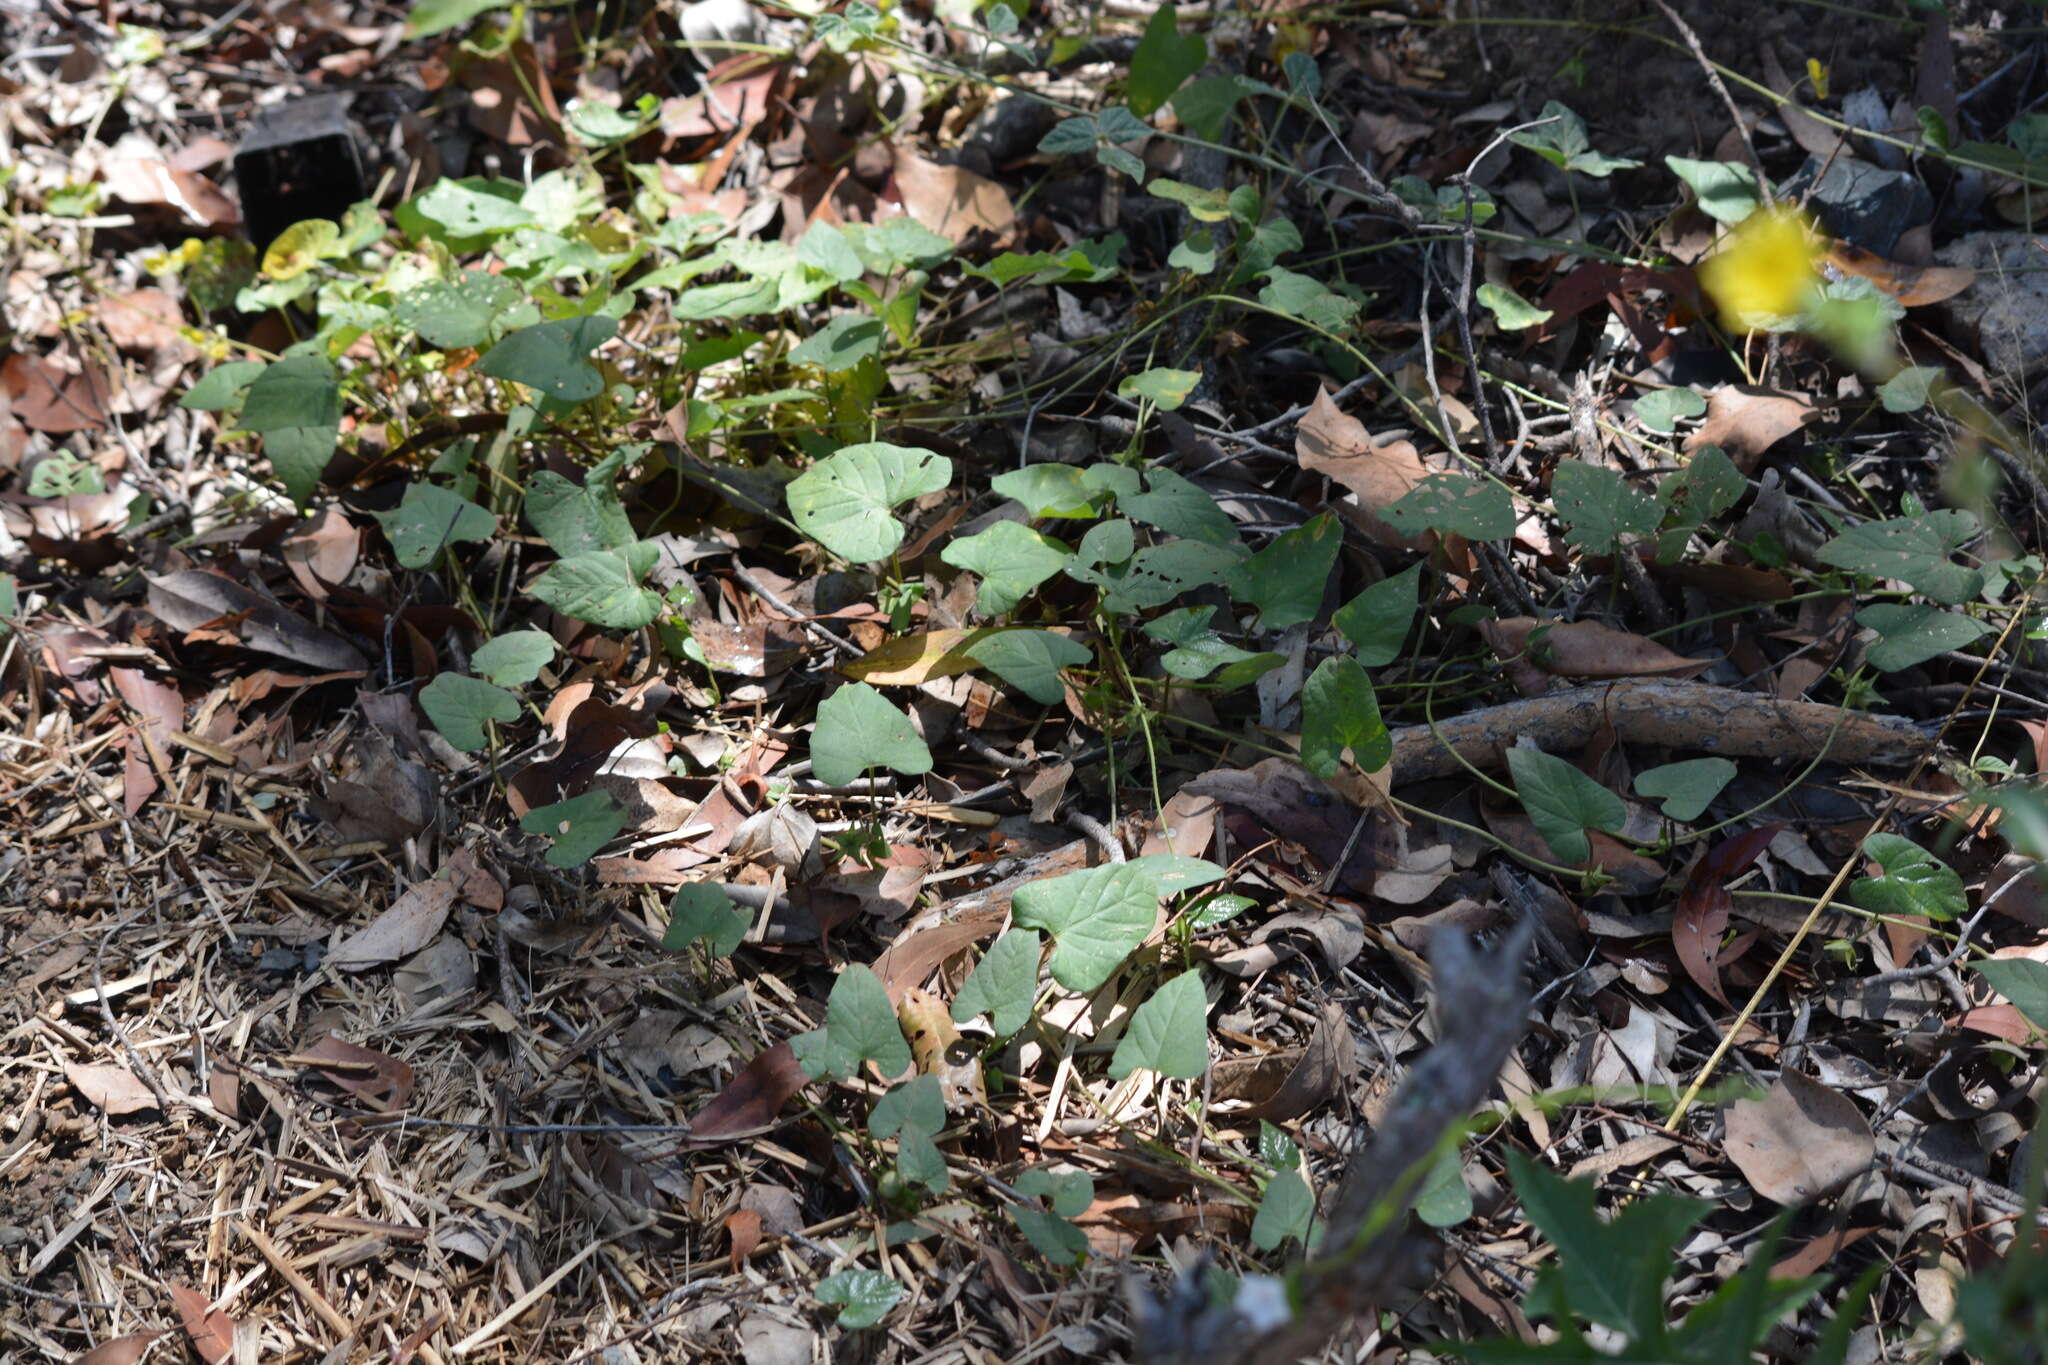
(855,772)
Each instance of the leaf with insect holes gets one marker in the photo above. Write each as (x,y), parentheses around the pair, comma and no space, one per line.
(430,518)
(1179,507)
(579,826)
(1561,140)
(1599,508)
(864,1297)
(1726,189)
(1914,881)
(844,501)
(1169,1033)
(458,706)
(1455,505)
(1165,389)
(1377,620)
(860,1027)
(1660,409)
(1287,1210)
(470,310)
(1286,579)
(1003,984)
(603,587)
(1012,560)
(1915,550)
(700,910)
(1685,787)
(1563,803)
(1511,312)
(1444,1200)
(1164,59)
(2022,981)
(857,729)
(1339,712)
(573,518)
(1914,633)
(1030,661)
(514,658)
(553,357)
(222,386)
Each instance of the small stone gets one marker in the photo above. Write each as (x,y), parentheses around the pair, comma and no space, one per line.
(2006,310)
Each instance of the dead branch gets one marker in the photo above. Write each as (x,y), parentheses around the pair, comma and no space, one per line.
(1674,715)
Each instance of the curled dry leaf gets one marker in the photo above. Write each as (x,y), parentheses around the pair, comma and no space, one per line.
(379,1080)
(751,1099)
(1801,1141)
(1320,1070)
(1587,649)
(113,1090)
(193,600)
(1746,422)
(743,1226)
(1379,472)
(937,1049)
(211,1330)
(1703,906)
(1912,285)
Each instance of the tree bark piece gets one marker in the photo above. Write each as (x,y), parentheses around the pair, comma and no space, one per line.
(1675,715)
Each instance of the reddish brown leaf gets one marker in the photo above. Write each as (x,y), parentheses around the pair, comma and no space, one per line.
(146,322)
(211,1330)
(1587,649)
(743,1226)
(1703,907)
(1911,285)
(751,1099)
(381,1080)
(50,398)
(1746,422)
(119,1350)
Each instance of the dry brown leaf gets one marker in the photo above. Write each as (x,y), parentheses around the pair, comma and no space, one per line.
(402,930)
(211,1330)
(937,1049)
(751,1099)
(381,1080)
(1800,1142)
(50,398)
(146,322)
(194,600)
(135,180)
(114,1090)
(119,1350)
(1587,649)
(912,660)
(1746,422)
(1377,472)
(1327,1064)
(952,200)
(743,1226)
(1913,286)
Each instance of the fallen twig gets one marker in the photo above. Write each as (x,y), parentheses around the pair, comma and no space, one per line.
(1676,715)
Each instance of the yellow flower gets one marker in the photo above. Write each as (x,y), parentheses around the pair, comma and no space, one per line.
(1764,273)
